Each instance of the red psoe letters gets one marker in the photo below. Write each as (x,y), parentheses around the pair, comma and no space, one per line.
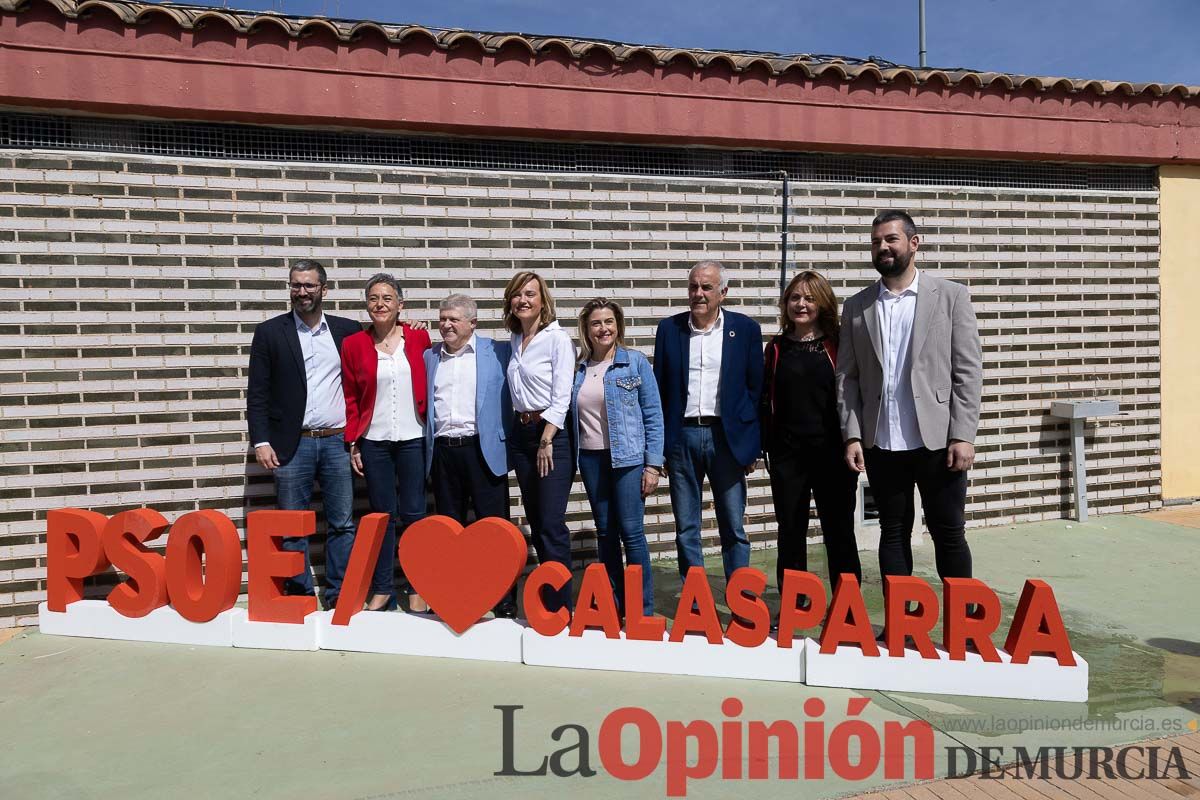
(792,617)
(959,627)
(848,622)
(268,565)
(73,552)
(750,624)
(204,565)
(553,575)
(363,555)
(145,588)
(462,572)
(696,613)
(898,591)
(1037,627)
(638,626)
(597,608)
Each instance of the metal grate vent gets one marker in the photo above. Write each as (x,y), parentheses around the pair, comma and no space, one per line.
(250,142)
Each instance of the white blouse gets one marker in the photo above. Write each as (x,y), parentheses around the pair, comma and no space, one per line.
(541,378)
(395,416)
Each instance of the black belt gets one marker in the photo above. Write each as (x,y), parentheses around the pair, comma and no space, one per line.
(456,441)
(702,422)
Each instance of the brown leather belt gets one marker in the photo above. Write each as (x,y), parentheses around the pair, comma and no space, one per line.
(321,433)
(529,417)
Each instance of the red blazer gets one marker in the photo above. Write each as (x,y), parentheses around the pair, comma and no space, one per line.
(360,363)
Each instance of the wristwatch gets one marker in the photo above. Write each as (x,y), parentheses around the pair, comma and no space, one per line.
(545,443)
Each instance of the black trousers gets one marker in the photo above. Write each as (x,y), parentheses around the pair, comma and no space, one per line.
(892,474)
(820,473)
(463,481)
(545,500)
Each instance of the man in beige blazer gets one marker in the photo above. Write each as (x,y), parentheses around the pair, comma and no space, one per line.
(909,381)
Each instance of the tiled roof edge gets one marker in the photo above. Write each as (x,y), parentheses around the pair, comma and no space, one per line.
(189,17)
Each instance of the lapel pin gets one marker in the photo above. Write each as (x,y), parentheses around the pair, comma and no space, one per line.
(732,334)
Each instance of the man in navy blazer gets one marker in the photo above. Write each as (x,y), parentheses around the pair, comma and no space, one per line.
(297,417)
(470,411)
(709,367)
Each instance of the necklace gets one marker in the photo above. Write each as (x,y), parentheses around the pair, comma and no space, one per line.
(812,335)
(387,342)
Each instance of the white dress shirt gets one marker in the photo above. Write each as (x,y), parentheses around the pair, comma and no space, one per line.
(395,416)
(541,378)
(454,391)
(325,405)
(704,369)
(897,428)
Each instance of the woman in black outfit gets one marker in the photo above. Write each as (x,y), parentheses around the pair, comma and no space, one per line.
(801,433)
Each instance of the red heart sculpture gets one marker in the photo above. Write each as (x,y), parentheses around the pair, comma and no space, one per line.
(462,572)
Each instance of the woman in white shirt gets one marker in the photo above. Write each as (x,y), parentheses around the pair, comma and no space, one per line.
(540,376)
(383,379)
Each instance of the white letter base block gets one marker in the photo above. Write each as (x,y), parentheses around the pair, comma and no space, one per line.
(418,635)
(96,619)
(275,635)
(1041,679)
(693,656)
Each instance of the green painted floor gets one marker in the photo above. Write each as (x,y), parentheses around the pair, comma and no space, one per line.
(83,718)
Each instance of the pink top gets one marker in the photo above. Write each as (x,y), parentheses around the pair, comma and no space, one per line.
(593,414)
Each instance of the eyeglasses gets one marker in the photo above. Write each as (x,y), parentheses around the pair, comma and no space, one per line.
(301,287)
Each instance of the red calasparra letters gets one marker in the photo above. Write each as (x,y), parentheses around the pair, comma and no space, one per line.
(464,572)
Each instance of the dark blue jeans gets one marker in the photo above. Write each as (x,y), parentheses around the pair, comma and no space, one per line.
(545,500)
(326,461)
(701,451)
(395,473)
(615,495)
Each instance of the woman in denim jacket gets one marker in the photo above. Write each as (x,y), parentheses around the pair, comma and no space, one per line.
(619,438)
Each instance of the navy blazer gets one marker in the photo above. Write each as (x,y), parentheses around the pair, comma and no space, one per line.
(277,389)
(493,405)
(741,380)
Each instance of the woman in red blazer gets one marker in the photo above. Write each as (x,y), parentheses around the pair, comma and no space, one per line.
(383,377)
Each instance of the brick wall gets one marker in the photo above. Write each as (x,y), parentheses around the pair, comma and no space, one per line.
(132,285)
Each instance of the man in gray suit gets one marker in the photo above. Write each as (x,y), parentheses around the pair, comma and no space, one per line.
(909,381)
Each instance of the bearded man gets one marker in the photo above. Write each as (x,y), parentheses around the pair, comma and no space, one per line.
(909,382)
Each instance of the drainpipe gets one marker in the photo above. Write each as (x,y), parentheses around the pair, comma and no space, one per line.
(783,234)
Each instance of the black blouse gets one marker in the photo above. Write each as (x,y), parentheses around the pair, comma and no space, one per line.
(805,396)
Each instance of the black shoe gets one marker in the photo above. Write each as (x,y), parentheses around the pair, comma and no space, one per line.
(505,609)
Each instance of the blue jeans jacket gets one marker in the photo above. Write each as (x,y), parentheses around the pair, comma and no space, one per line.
(635,417)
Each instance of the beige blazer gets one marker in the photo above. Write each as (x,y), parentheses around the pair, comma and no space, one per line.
(947,364)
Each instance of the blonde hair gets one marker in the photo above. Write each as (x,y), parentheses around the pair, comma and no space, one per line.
(819,288)
(600,303)
(515,285)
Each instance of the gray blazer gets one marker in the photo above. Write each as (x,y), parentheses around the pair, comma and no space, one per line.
(947,364)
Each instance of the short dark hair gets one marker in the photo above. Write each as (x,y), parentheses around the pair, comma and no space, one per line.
(884,217)
(384,278)
(309,265)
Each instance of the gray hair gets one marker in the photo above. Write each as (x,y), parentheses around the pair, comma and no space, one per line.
(707,263)
(460,301)
(383,277)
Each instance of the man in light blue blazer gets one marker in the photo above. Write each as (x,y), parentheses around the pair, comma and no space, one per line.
(709,367)
(466,426)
